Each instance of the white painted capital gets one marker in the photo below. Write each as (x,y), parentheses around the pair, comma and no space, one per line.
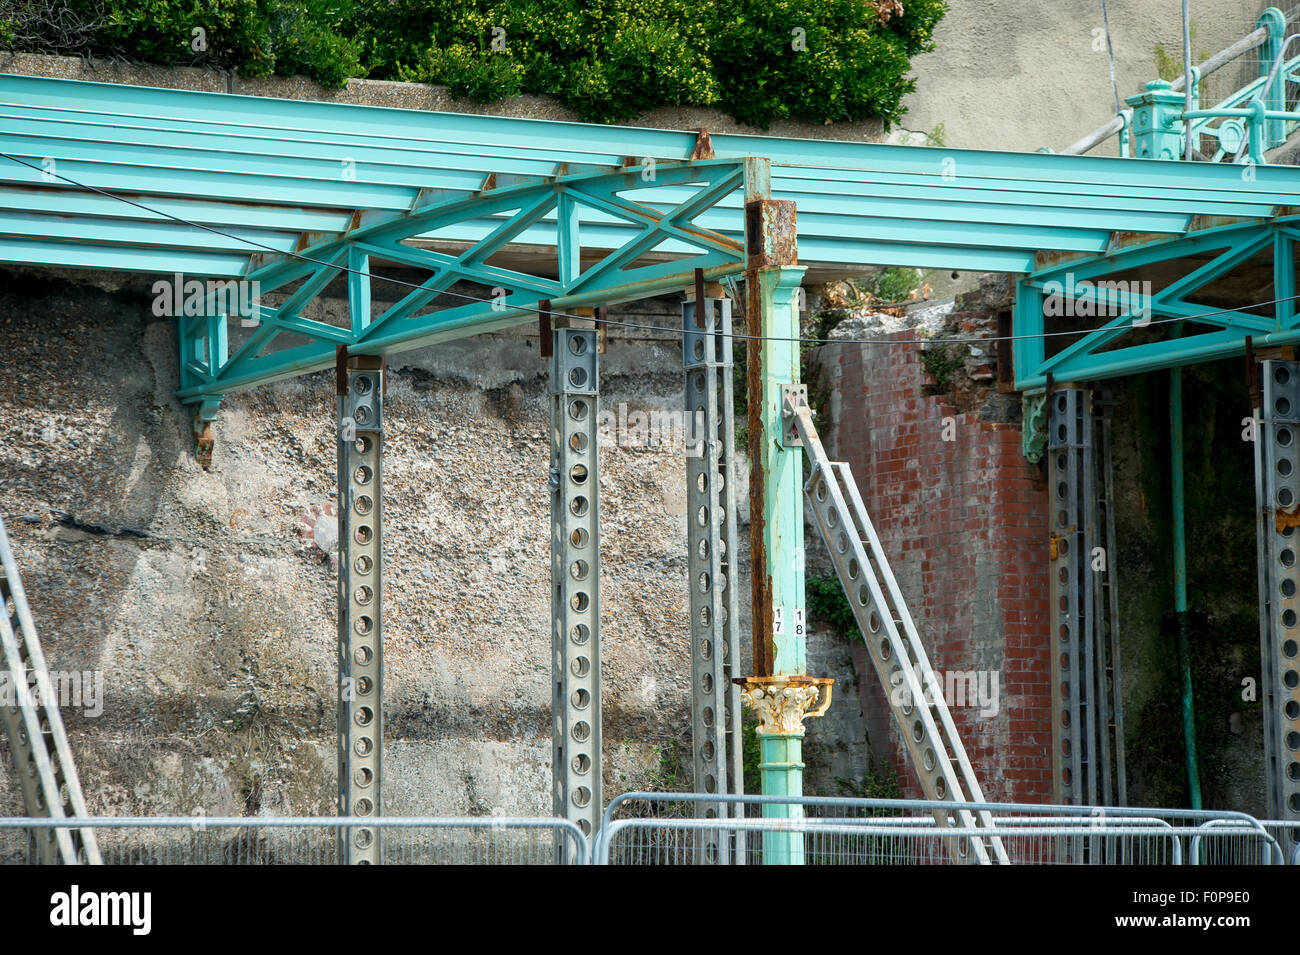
(782,703)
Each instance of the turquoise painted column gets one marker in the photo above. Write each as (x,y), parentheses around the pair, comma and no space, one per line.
(1157,122)
(784,651)
(781,693)
(780,646)
(782,769)
(1178,487)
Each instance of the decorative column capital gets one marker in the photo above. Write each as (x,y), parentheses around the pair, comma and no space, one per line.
(784,702)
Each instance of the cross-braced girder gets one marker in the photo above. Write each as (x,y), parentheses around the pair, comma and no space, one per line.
(1180,318)
(212,367)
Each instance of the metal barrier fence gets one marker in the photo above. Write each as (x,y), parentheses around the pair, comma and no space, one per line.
(663,828)
(878,842)
(1286,832)
(308,840)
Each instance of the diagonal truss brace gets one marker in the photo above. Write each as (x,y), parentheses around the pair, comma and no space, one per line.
(566,204)
(1091,287)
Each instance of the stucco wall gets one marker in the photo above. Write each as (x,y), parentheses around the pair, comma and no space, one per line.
(1021,74)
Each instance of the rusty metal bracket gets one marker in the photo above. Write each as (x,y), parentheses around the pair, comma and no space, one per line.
(770,234)
(703,145)
(1252,374)
(544,327)
(203,443)
(793,397)
(1052,549)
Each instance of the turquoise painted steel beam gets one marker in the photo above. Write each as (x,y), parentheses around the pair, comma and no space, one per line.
(1083,359)
(1284,290)
(403,149)
(327,120)
(393,333)
(1156,356)
(1101,199)
(73,202)
(60,253)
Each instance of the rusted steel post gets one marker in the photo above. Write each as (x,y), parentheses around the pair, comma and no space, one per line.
(777,692)
(772,279)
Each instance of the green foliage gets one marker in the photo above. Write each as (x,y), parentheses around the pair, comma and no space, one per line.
(845,65)
(609,60)
(880,782)
(1169,66)
(255,37)
(751,753)
(941,362)
(669,774)
(826,601)
(894,284)
(740,389)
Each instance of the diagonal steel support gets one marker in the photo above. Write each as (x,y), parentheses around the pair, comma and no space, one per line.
(893,642)
(361,633)
(575,578)
(38,743)
(711,508)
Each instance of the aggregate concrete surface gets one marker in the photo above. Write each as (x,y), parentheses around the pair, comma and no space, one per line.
(213,619)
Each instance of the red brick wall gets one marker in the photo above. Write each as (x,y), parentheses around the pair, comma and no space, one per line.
(964,525)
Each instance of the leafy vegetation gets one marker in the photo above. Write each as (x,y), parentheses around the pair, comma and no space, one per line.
(609,60)
(827,602)
(894,284)
(942,361)
(1169,66)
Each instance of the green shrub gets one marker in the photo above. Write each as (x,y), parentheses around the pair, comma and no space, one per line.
(826,600)
(609,60)
(255,37)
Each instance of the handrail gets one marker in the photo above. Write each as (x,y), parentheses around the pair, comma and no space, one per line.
(1213,64)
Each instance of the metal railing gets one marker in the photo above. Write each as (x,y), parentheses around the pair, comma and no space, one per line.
(308,840)
(642,828)
(889,841)
(1252,119)
(656,828)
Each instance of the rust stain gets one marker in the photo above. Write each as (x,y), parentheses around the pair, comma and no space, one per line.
(203,442)
(1202,222)
(1285,517)
(1052,540)
(770,234)
(703,145)
(1128,240)
(761,588)
(1045,260)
